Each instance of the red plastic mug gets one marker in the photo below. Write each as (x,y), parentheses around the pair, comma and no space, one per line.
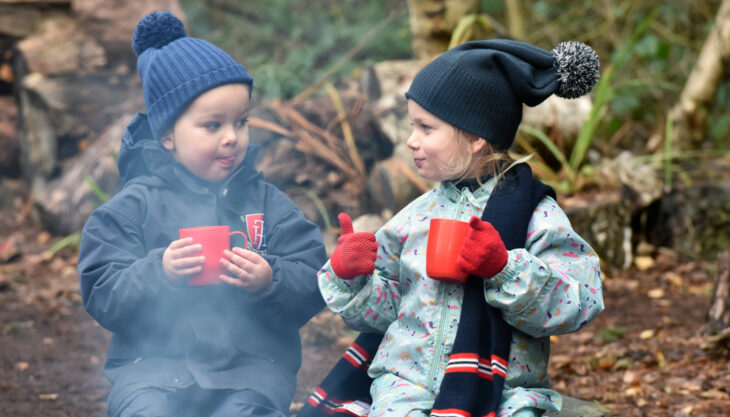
(214,239)
(445,240)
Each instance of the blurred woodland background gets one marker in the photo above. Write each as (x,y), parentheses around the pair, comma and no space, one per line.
(641,166)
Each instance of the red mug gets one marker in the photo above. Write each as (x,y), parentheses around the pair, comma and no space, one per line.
(445,240)
(214,239)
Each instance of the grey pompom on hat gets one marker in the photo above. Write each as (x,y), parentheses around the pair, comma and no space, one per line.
(481,86)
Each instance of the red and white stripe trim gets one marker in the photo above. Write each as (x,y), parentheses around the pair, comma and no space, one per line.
(450,412)
(357,356)
(317,397)
(472,363)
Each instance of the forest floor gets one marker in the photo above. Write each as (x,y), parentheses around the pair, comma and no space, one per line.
(641,357)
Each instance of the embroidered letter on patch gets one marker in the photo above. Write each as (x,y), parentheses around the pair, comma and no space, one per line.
(255,227)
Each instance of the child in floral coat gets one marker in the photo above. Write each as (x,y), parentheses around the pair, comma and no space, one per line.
(531,274)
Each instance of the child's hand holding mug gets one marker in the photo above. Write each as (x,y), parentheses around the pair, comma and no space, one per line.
(483,253)
(355,253)
(249,269)
(178,262)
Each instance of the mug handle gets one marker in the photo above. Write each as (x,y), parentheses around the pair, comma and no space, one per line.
(238,232)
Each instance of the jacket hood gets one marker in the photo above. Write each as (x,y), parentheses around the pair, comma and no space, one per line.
(141,155)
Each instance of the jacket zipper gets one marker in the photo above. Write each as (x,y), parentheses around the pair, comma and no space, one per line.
(439,338)
(444,309)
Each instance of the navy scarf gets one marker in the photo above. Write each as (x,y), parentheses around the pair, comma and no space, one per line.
(474,379)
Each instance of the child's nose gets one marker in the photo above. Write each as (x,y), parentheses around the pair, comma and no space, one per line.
(412,141)
(230,136)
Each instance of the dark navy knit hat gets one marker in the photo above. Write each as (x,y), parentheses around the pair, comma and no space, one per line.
(175,68)
(480,86)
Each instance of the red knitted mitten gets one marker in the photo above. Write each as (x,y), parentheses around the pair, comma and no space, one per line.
(483,254)
(355,252)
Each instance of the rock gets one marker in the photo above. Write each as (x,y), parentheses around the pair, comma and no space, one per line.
(573,407)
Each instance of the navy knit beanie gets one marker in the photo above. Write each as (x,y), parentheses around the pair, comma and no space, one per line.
(480,86)
(175,69)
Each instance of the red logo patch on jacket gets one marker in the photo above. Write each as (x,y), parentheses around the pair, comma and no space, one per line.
(255,227)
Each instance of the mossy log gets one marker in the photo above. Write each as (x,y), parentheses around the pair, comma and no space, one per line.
(693,220)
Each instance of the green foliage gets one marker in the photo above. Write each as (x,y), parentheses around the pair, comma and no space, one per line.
(647,50)
(289,44)
(569,179)
(15,327)
(612,333)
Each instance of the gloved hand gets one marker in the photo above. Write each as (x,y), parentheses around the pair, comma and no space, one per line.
(483,253)
(355,252)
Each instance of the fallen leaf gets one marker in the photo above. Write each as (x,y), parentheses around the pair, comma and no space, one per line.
(715,394)
(629,377)
(643,262)
(48,397)
(48,341)
(22,366)
(646,334)
(656,293)
(674,278)
(43,237)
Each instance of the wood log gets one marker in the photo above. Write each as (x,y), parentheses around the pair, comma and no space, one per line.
(112,23)
(60,115)
(60,45)
(37,138)
(67,201)
(718,317)
(18,21)
(36,2)
(9,142)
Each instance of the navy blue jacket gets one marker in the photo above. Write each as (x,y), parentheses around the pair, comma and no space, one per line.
(220,336)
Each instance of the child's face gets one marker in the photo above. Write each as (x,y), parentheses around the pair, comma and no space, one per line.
(211,137)
(435,149)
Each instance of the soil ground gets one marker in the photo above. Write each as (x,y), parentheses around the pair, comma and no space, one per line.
(642,357)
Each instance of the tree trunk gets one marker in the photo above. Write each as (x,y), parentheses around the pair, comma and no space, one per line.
(432,22)
(517,18)
(689,114)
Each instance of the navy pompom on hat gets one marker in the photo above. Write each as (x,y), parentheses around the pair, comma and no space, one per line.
(175,68)
(480,86)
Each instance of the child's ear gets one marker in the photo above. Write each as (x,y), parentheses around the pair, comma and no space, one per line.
(477,144)
(167,141)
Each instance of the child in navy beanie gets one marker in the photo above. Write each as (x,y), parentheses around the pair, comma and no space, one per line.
(177,349)
(477,344)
